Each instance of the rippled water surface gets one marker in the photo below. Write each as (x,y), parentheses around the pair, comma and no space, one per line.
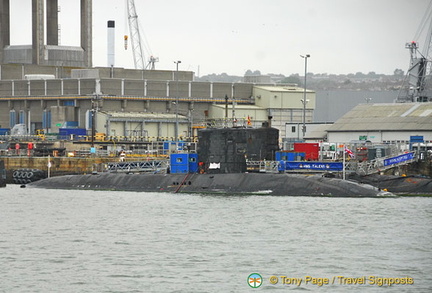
(104,241)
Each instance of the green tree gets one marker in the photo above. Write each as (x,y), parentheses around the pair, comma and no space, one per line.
(398,72)
(293,78)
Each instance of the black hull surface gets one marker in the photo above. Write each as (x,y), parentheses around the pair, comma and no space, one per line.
(237,183)
(403,185)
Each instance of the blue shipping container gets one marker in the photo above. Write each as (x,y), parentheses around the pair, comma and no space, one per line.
(184,163)
(65,133)
(290,156)
(193,163)
(4,131)
(179,163)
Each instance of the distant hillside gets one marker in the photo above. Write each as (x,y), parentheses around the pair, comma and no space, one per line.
(219,78)
(323,81)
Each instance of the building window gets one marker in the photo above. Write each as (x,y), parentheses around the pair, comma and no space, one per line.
(69,103)
(89,121)
(293,129)
(21,117)
(12,118)
(46,119)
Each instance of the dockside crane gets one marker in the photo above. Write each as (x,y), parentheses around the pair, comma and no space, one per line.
(136,40)
(420,62)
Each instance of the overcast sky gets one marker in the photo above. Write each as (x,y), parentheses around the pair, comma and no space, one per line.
(342,36)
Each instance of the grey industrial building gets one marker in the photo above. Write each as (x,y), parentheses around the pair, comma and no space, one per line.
(51,97)
(384,123)
(47,86)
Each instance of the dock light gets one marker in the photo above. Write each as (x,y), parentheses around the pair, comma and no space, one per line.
(304,101)
(177,101)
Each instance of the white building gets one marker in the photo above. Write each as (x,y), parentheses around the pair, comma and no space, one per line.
(285,104)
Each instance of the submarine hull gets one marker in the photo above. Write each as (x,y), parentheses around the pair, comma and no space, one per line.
(236,183)
(401,185)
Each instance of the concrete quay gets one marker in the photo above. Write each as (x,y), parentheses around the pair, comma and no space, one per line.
(58,165)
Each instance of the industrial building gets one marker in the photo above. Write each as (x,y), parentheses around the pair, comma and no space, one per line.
(285,104)
(44,86)
(384,123)
(51,97)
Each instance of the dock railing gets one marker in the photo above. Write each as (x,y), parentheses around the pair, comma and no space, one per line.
(139,166)
(381,164)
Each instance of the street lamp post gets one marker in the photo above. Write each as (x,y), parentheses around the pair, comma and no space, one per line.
(304,101)
(176,130)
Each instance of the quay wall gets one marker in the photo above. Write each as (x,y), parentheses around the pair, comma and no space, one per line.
(86,165)
(59,165)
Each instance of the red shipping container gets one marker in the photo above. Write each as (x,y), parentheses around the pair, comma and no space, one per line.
(311,150)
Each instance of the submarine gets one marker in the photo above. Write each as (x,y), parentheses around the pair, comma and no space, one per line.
(232,184)
(219,166)
(398,185)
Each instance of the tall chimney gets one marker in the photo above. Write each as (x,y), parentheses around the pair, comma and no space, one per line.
(110,42)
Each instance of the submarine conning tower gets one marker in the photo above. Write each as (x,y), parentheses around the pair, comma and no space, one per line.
(225,150)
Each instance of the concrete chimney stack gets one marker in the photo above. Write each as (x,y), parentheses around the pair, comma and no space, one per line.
(111,37)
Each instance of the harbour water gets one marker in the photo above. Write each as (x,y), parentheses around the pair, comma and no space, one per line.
(106,241)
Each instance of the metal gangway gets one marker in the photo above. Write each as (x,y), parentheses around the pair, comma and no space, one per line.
(262,166)
(381,164)
(152,166)
(361,168)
